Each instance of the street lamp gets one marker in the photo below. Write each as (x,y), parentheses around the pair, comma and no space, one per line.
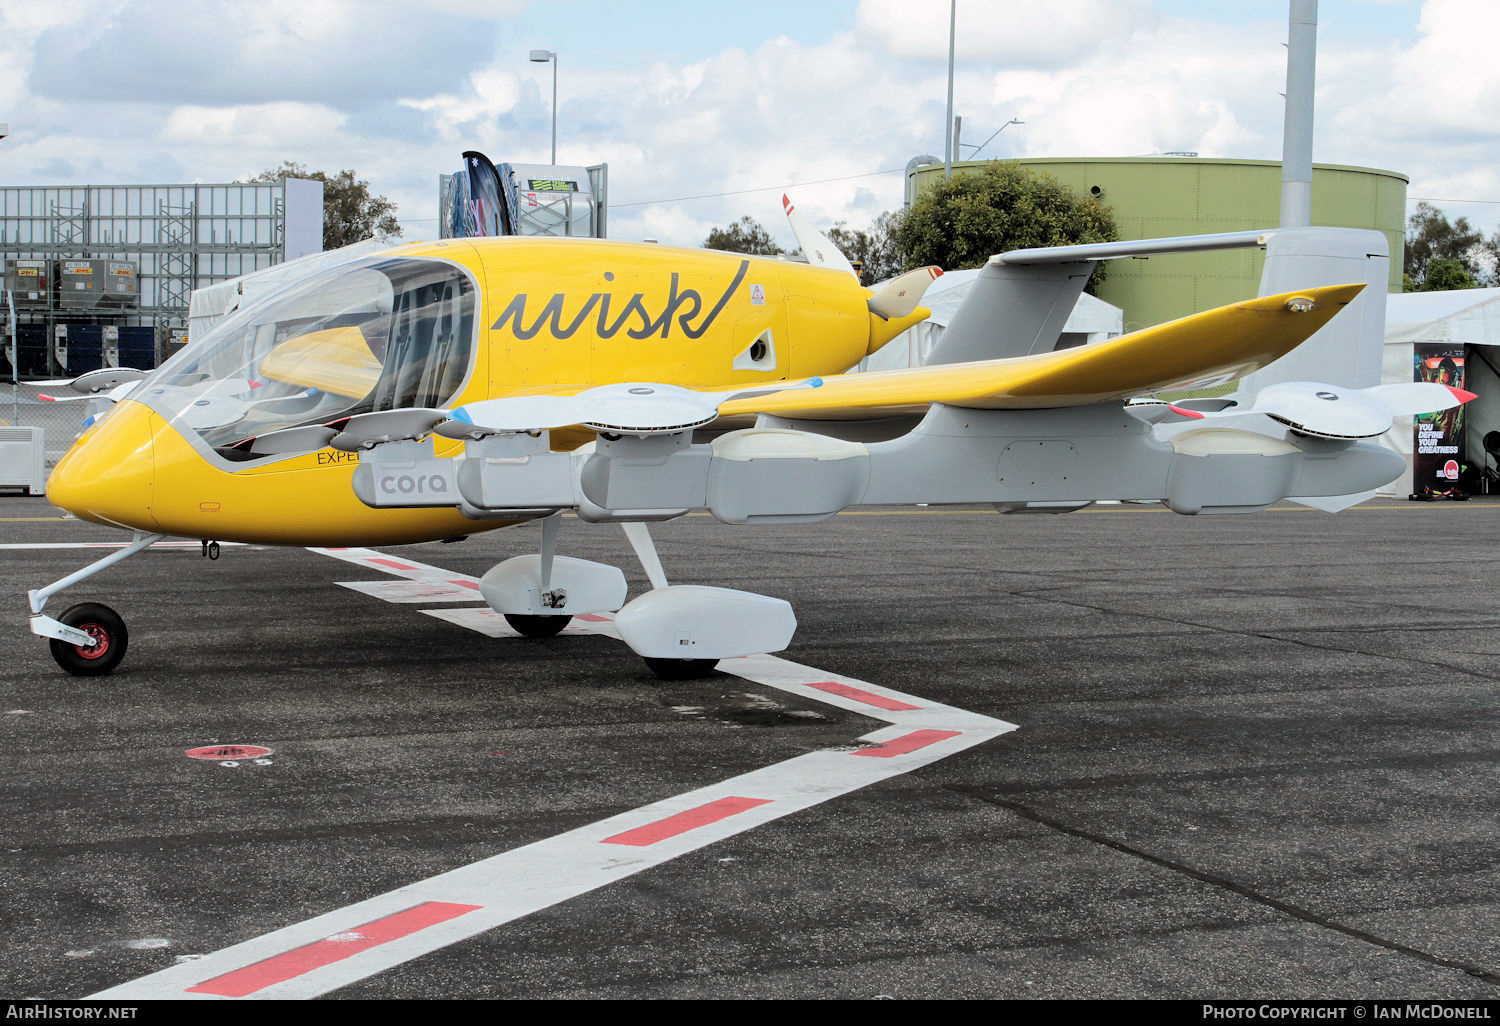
(544,57)
(982,145)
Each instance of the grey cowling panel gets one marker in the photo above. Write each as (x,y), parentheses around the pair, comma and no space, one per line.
(515,471)
(404,474)
(1076,454)
(1012,310)
(661,472)
(772,476)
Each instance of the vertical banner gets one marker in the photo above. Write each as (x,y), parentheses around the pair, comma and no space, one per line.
(1438,438)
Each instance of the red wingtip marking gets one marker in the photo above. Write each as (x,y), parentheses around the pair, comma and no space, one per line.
(1462,396)
(1194,414)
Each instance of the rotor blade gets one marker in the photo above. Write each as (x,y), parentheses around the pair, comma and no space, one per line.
(631,407)
(820,252)
(901,295)
(1333,411)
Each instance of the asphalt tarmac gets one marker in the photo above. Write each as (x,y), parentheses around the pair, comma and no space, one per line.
(1256,758)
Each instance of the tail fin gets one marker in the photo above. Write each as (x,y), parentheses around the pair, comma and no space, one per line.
(1347,350)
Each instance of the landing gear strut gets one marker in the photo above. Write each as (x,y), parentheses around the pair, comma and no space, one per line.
(89,639)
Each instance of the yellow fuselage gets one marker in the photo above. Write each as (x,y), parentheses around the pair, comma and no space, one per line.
(554,316)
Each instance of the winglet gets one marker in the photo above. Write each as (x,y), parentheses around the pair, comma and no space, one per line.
(820,252)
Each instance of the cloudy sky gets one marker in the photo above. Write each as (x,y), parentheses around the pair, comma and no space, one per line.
(706,110)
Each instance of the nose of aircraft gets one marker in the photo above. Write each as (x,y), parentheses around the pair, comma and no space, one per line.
(108,475)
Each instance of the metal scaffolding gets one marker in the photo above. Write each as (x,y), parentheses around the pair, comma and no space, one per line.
(179,237)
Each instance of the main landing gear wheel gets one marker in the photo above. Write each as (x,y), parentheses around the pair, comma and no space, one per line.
(680,669)
(534,625)
(101,623)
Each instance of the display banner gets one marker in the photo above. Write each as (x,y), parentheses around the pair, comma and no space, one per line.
(484,195)
(1438,438)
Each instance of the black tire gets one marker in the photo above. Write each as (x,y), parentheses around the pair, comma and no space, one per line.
(108,649)
(680,669)
(534,625)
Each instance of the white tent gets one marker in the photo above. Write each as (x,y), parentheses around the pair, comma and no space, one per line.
(1467,317)
(1092,320)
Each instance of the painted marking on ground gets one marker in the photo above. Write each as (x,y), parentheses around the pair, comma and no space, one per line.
(283,967)
(681,823)
(296,961)
(411,591)
(833,687)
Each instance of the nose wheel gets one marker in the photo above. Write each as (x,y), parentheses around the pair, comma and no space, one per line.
(107,630)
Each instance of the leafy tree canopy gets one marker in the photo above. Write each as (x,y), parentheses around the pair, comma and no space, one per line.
(873,248)
(746,235)
(1443,274)
(350,213)
(962,221)
(1438,250)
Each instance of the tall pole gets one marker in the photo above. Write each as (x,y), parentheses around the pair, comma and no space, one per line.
(15,363)
(948,124)
(1297,129)
(543,57)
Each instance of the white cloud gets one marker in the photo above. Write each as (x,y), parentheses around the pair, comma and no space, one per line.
(396,91)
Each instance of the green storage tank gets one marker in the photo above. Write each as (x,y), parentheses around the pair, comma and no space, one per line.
(1159,197)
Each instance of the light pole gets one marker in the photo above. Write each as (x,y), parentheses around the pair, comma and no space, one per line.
(546,57)
(948,127)
(981,146)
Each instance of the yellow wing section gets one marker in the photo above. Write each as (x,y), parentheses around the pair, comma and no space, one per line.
(336,360)
(1193,352)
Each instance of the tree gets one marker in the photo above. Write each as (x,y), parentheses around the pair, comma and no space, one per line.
(1434,245)
(746,235)
(962,221)
(873,248)
(1443,275)
(350,213)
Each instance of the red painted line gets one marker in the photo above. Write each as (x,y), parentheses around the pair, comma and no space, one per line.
(466,584)
(593,618)
(845,691)
(910,743)
(392,563)
(685,821)
(279,968)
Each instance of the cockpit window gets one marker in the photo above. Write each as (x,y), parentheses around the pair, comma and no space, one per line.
(381,335)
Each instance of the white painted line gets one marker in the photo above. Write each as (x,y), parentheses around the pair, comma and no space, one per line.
(413,591)
(333,950)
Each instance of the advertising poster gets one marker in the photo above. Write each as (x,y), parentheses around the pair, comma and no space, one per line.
(1438,438)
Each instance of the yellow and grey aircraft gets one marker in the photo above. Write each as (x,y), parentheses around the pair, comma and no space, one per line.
(444,388)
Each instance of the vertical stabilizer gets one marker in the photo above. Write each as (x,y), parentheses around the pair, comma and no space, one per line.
(1012,310)
(1347,350)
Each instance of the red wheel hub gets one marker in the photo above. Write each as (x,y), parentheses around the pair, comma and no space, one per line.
(101,641)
